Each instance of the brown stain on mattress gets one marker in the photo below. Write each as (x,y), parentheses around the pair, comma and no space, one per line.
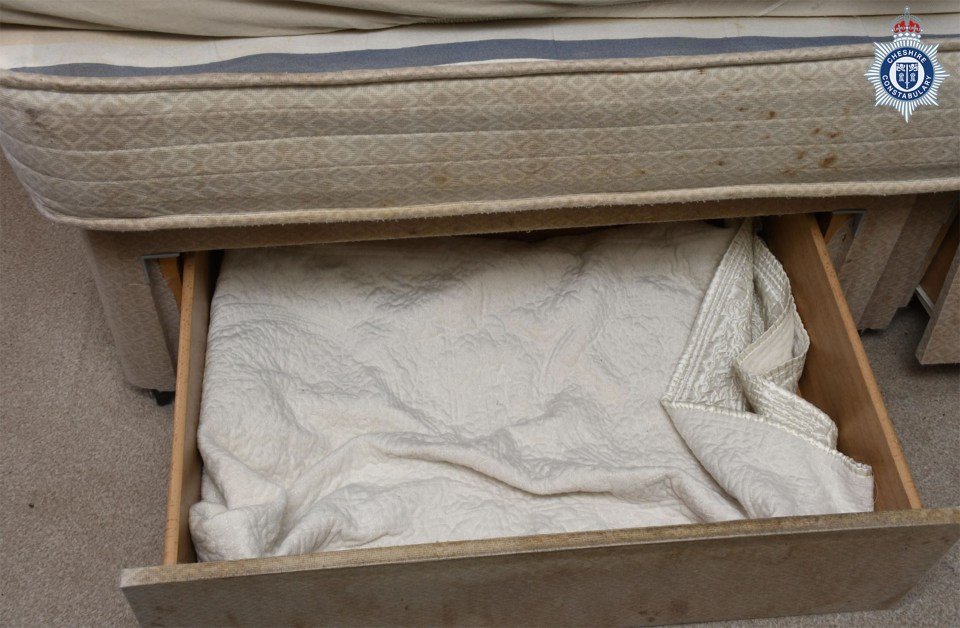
(721,163)
(828,161)
(439,179)
(816,131)
(801,154)
(771,114)
(741,109)
(36,118)
(833,134)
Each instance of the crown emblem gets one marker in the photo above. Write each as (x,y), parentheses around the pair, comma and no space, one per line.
(906,25)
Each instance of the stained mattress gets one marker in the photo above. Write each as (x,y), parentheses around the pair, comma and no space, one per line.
(126,131)
(412,392)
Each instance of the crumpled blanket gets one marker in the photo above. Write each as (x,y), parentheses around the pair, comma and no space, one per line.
(373,394)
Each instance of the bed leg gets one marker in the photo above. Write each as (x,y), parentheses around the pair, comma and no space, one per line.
(162,397)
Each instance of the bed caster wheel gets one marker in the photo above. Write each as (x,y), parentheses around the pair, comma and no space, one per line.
(162,397)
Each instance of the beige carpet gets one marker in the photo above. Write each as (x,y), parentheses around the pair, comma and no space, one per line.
(83,457)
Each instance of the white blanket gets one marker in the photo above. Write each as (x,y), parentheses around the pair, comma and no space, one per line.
(419,391)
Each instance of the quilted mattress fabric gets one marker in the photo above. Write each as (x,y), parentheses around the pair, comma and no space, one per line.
(449,120)
(424,391)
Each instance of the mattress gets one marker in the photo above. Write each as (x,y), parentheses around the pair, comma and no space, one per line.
(258,18)
(394,393)
(125,131)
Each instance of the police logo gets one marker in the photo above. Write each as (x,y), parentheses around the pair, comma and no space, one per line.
(905,73)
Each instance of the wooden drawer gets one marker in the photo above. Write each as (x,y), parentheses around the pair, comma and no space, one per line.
(743,569)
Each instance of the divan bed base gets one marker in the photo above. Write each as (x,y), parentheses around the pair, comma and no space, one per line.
(145,342)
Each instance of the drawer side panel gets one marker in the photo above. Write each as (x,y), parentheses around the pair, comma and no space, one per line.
(837,377)
(185,464)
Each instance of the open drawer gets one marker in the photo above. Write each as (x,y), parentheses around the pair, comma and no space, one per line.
(741,569)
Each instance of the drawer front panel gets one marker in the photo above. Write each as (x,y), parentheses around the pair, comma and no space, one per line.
(763,568)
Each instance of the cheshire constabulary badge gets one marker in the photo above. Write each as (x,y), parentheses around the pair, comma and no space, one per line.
(905,73)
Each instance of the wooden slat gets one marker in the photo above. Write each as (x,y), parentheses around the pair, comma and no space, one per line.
(838,378)
(839,236)
(170,269)
(835,221)
(742,569)
(185,462)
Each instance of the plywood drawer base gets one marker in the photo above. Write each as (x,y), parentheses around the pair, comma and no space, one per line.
(742,569)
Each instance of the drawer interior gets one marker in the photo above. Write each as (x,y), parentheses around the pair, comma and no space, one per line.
(837,378)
